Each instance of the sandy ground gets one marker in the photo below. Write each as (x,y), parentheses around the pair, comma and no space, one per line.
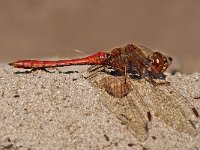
(41,110)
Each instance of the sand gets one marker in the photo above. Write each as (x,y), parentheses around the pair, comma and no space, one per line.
(41,110)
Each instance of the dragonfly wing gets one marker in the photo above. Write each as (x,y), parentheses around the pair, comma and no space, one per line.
(171,107)
(123,106)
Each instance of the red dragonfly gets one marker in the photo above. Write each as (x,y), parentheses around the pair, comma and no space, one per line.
(135,62)
(130,59)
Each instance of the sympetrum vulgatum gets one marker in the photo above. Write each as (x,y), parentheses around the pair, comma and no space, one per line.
(124,70)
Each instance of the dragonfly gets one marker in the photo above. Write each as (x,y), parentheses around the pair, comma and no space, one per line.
(125,72)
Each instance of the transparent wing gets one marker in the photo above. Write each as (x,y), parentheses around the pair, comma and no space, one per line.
(131,101)
(125,104)
(174,109)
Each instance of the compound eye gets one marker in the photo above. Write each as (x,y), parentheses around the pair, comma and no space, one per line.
(165,62)
(159,63)
(157,59)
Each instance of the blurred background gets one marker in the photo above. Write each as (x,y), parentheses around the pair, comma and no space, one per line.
(31,29)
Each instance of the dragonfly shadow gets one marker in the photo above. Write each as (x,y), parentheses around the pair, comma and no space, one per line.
(68,72)
(44,69)
(134,76)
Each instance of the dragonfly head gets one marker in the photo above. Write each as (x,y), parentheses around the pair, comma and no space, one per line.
(160,62)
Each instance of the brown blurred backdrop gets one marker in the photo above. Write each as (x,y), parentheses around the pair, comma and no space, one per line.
(55,28)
